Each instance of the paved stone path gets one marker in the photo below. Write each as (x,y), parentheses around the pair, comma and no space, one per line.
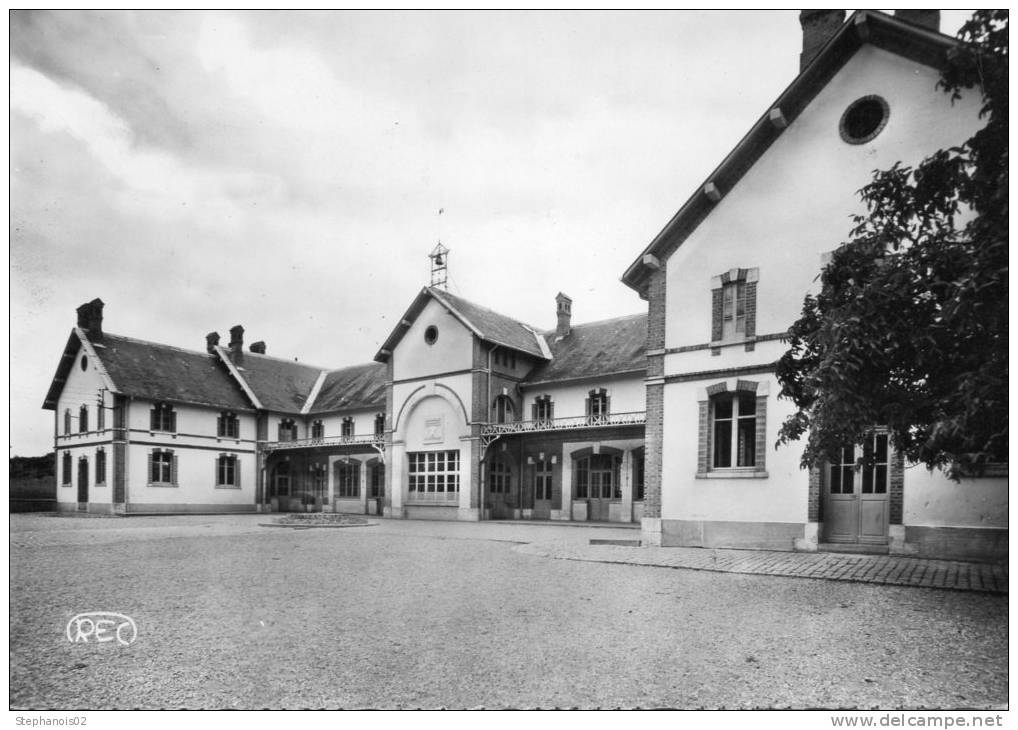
(886,569)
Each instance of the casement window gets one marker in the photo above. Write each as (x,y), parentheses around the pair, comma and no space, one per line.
(83,419)
(162,468)
(500,478)
(544,409)
(318,430)
(65,470)
(287,430)
(433,475)
(100,466)
(228,425)
(598,404)
(346,429)
(227,471)
(542,480)
(163,418)
(280,485)
(597,477)
(638,472)
(733,430)
(733,306)
(348,480)
(503,409)
(380,425)
(67,422)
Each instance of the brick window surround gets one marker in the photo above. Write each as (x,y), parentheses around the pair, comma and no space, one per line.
(709,398)
(733,300)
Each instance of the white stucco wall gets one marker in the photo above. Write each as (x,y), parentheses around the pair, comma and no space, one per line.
(196,479)
(452,351)
(794,204)
(933,500)
(627,395)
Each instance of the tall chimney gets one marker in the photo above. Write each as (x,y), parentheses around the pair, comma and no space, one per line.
(90,317)
(211,342)
(237,343)
(258,347)
(564,310)
(925,18)
(818,27)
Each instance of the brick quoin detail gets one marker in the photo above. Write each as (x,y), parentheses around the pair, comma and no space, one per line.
(716,314)
(761,430)
(703,449)
(896,488)
(654,434)
(814,495)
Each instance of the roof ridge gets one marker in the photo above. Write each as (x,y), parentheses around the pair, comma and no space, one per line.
(286,360)
(601,321)
(371,364)
(472,303)
(157,344)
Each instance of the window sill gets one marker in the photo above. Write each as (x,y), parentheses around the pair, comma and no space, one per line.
(226,486)
(163,484)
(444,502)
(732,474)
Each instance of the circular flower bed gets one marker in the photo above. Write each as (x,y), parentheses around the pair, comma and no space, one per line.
(319,519)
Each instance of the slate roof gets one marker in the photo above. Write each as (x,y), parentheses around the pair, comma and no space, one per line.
(358,386)
(492,326)
(595,349)
(280,385)
(159,372)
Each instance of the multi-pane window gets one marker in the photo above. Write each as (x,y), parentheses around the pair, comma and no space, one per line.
(542,480)
(317,430)
(597,477)
(638,484)
(597,406)
(346,429)
(163,418)
(67,421)
(65,471)
(377,480)
(287,430)
(83,419)
(162,467)
(503,408)
(499,478)
(348,479)
(228,426)
(227,471)
(543,408)
(380,425)
(874,468)
(733,310)
(433,475)
(100,466)
(733,431)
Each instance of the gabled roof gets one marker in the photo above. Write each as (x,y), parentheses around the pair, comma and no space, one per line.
(484,323)
(358,386)
(596,349)
(914,42)
(152,371)
(278,384)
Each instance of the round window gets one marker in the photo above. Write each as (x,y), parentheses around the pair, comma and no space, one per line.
(431,335)
(84,362)
(864,119)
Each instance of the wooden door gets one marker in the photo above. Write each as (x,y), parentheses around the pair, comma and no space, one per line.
(856,508)
(82,482)
(542,490)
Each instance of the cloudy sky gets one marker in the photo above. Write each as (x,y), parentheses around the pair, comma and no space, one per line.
(285,171)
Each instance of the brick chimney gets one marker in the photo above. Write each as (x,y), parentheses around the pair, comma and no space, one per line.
(90,317)
(925,18)
(237,344)
(564,310)
(258,347)
(818,27)
(211,342)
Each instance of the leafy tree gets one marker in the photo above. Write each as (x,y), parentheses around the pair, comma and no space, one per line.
(909,329)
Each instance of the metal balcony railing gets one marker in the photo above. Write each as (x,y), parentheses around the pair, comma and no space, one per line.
(373,440)
(492,431)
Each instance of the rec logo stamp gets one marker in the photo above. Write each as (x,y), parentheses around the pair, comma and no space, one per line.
(102,627)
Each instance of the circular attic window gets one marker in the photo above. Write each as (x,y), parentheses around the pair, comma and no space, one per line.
(864,119)
(431,335)
(84,362)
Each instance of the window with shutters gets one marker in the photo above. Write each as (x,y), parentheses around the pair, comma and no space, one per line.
(597,406)
(227,471)
(544,409)
(83,419)
(380,425)
(164,418)
(65,470)
(287,430)
(318,430)
(502,409)
(162,468)
(346,429)
(228,426)
(733,306)
(67,422)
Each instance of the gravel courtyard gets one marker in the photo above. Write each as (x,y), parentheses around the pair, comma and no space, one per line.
(412,614)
